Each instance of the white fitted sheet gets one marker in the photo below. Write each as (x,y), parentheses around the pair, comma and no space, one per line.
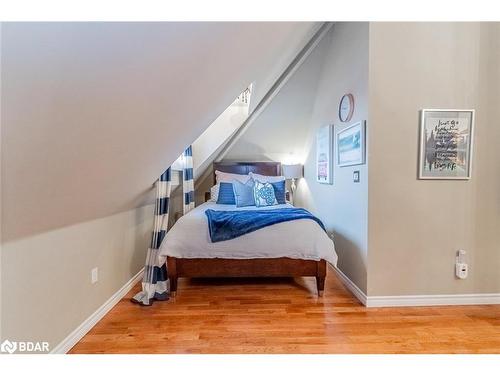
(298,239)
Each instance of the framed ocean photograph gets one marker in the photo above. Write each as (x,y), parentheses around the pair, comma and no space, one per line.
(446,144)
(351,145)
(324,155)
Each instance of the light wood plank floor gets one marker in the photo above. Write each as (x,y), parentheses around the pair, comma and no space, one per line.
(285,316)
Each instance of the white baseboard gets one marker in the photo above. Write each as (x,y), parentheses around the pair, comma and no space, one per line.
(353,288)
(65,345)
(417,300)
(434,300)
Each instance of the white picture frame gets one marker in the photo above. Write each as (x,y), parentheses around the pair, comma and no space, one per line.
(446,144)
(350,145)
(324,143)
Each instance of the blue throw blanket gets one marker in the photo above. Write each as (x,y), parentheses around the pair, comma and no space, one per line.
(226,225)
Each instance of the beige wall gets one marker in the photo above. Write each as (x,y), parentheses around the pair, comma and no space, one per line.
(416,226)
(0,194)
(46,288)
(343,205)
(487,170)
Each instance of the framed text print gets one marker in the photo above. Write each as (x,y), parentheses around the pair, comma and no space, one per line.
(351,145)
(446,139)
(324,155)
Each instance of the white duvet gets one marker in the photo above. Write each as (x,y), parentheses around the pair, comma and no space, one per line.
(298,239)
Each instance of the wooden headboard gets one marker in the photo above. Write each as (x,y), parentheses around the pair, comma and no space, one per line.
(267,168)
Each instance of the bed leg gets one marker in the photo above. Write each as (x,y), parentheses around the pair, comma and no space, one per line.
(320,284)
(173,286)
(320,277)
(172,275)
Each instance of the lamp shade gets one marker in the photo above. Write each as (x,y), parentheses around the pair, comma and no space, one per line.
(292,171)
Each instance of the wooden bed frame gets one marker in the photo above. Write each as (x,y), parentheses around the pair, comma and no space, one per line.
(259,267)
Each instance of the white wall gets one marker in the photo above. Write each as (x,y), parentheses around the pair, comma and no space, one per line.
(416,226)
(206,145)
(343,205)
(46,288)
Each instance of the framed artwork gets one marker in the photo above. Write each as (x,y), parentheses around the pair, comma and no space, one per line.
(351,145)
(446,142)
(324,155)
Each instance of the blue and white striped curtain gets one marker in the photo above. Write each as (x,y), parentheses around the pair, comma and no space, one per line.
(155,284)
(188,184)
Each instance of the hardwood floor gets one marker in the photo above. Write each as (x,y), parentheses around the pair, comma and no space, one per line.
(286,316)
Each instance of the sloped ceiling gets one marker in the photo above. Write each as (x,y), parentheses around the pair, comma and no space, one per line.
(92,113)
(281,131)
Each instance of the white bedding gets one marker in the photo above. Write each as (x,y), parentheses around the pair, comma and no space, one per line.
(298,239)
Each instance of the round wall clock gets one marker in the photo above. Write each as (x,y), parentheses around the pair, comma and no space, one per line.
(346,107)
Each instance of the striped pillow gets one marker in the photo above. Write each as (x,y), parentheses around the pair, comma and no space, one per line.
(214,193)
(226,193)
(280,191)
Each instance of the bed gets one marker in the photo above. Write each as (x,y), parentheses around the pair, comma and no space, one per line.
(275,251)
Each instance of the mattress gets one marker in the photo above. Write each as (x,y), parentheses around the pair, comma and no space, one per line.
(297,239)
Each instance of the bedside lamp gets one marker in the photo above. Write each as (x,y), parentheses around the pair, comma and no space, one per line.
(291,172)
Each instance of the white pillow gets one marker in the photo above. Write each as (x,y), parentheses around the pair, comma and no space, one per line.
(229,177)
(262,178)
(214,193)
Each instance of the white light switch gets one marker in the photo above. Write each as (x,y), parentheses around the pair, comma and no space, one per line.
(94,275)
(355,176)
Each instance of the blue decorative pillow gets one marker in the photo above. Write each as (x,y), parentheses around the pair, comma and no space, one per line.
(264,194)
(226,194)
(243,193)
(280,191)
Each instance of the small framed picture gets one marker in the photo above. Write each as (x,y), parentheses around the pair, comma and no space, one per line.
(324,155)
(351,145)
(446,144)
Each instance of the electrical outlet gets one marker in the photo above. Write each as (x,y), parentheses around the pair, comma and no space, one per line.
(461,267)
(462,270)
(94,275)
